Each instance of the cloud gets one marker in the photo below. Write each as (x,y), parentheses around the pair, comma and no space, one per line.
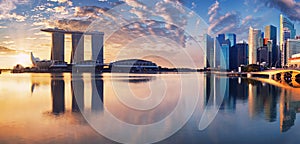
(6,50)
(6,6)
(13,16)
(68,2)
(31,38)
(71,24)
(290,8)
(213,11)
(230,22)
(3,27)
(8,42)
(89,11)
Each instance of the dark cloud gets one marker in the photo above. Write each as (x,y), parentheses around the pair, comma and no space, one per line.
(5,50)
(164,27)
(290,8)
(230,22)
(71,24)
(146,28)
(89,11)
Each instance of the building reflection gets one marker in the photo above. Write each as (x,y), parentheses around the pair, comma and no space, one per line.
(213,92)
(262,100)
(97,94)
(77,85)
(77,88)
(58,93)
(289,106)
(234,89)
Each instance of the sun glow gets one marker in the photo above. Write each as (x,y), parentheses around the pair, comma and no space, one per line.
(23,59)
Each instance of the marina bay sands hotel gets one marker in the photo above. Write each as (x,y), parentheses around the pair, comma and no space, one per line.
(77,54)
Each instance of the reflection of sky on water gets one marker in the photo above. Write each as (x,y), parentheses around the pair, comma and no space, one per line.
(252,111)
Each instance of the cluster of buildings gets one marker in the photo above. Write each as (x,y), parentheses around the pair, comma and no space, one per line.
(223,52)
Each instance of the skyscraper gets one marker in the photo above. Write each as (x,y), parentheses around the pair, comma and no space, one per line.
(263,55)
(232,50)
(292,47)
(221,38)
(240,51)
(287,31)
(232,38)
(209,50)
(254,41)
(223,45)
(271,37)
(216,58)
(224,63)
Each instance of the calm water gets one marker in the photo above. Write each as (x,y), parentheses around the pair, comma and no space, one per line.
(45,108)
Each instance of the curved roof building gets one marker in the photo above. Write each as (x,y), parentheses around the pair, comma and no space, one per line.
(133,65)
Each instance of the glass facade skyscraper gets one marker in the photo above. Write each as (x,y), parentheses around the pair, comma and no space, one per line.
(287,31)
(232,38)
(292,47)
(209,50)
(271,36)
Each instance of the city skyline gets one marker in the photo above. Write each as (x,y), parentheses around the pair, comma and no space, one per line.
(21,20)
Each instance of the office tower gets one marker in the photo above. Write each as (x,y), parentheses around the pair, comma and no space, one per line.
(239,55)
(221,38)
(287,31)
(255,41)
(271,39)
(263,55)
(232,50)
(222,45)
(224,63)
(292,47)
(232,38)
(209,50)
(58,46)
(216,58)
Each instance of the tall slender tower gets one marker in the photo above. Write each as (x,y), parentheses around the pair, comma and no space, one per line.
(271,36)
(287,31)
(254,41)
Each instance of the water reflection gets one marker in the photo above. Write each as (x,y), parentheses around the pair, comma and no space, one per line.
(248,107)
(289,106)
(58,94)
(262,98)
(78,99)
(97,94)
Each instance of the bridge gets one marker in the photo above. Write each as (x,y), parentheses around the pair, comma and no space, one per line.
(277,74)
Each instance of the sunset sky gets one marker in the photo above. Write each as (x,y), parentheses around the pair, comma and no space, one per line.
(21,21)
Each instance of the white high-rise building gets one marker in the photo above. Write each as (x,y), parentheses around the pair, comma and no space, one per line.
(254,42)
